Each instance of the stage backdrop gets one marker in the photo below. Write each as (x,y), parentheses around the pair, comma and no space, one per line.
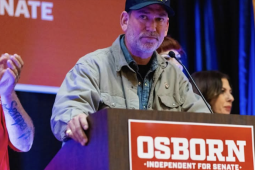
(254,8)
(52,35)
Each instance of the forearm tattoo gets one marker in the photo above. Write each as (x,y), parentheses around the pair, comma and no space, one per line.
(18,119)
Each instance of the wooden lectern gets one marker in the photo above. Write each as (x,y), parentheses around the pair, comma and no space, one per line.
(108,147)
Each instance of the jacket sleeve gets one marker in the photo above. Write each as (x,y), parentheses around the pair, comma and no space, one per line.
(78,94)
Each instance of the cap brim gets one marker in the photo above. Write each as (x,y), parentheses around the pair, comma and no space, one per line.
(169,10)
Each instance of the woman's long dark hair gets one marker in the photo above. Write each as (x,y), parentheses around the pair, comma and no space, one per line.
(209,83)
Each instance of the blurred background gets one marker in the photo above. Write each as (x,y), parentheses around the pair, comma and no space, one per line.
(215,34)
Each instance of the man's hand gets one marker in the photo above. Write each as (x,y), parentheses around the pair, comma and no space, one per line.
(75,128)
(10,68)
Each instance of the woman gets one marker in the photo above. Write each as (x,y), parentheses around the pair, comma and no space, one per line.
(215,87)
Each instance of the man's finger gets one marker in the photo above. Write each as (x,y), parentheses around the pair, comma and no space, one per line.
(79,130)
(19,59)
(16,61)
(85,126)
(18,64)
(82,136)
(11,73)
(72,128)
(5,55)
(12,67)
(84,122)
(3,60)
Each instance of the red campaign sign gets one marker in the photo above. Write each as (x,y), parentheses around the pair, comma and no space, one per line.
(52,35)
(197,146)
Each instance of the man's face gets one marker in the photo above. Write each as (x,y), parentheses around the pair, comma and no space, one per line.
(146,29)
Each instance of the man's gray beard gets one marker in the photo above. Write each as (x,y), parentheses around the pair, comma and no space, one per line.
(147,48)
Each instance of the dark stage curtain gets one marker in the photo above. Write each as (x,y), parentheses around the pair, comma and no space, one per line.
(246,58)
(219,35)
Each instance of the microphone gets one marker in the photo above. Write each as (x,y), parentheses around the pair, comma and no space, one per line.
(172,54)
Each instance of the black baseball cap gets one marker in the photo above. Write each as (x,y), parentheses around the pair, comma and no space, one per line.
(138,4)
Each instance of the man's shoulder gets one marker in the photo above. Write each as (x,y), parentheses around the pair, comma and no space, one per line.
(97,60)
(102,55)
(99,54)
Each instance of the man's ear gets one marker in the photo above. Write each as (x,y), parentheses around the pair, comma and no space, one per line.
(124,18)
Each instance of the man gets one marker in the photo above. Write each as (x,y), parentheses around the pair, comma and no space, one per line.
(16,127)
(128,75)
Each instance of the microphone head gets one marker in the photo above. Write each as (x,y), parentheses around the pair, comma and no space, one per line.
(171,54)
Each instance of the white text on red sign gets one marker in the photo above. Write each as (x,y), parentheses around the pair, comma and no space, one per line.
(28,9)
(184,149)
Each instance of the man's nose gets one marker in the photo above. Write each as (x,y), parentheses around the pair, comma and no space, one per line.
(151,25)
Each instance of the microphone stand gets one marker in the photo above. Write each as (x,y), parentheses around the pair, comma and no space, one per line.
(172,54)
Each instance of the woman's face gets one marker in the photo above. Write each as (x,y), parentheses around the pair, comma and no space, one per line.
(223,103)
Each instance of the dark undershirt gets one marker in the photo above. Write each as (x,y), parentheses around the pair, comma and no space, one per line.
(144,69)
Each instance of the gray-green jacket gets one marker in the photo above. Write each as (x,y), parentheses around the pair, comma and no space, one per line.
(103,79)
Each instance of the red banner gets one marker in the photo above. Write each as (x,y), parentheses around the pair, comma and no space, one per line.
(52,35)
(180,146)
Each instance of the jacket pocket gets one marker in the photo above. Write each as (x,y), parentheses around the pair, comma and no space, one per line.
(169,103)
(113,101)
